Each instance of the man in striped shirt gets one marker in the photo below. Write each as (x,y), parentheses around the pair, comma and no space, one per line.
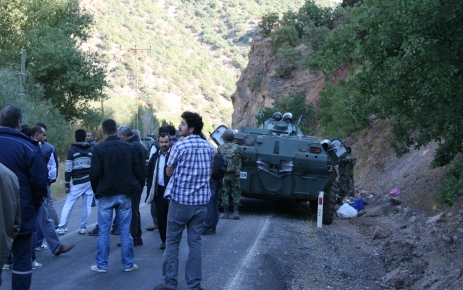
(190,168)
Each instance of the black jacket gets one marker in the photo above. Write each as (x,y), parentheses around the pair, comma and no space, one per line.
(149,177)
(115,168)
(141,153)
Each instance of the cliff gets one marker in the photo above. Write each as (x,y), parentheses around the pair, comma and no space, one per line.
(258,85)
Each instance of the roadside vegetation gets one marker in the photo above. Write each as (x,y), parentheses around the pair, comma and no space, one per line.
(404,61)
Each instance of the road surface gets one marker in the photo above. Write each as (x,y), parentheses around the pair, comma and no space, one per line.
(244,254)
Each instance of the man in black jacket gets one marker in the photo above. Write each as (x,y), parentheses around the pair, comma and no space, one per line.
(156,183)
(114,176)
(125,133)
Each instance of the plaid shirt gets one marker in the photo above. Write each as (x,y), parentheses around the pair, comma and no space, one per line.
(192,159)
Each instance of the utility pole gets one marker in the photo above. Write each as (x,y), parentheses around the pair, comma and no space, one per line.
(135,80)
(22,74)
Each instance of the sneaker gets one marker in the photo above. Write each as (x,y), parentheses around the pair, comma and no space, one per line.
(60,231)
(6,267)
(96,269)
(36,265)
(82,232)
(42,247)
(133,268)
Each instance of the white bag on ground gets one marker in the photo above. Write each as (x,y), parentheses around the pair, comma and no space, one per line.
(346,211)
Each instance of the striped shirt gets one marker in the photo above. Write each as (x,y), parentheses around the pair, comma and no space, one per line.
(192,160)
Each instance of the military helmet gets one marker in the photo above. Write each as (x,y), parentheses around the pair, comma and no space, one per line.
(228,135)
(277,116)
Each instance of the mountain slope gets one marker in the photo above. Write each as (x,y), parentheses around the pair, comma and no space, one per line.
(189,54)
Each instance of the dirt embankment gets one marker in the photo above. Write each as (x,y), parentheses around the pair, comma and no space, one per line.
(405,242)
(388,246)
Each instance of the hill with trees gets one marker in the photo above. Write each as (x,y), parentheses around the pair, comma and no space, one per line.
(403,69)
(140,62)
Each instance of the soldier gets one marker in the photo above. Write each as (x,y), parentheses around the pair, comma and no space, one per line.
(346,171)
(231,181)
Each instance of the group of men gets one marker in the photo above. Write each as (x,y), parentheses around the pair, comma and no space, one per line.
(179,186)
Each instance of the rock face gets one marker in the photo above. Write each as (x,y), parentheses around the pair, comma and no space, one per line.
(258,86)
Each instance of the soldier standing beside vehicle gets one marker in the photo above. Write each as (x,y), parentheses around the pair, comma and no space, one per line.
(231,181)
(346,175)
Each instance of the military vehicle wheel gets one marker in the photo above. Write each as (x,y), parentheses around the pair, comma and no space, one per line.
(329,203)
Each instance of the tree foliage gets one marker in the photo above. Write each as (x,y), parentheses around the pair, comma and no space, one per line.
(334,111)
(268,22)
(52,33)
(408,68)
(311,26)
(36,110)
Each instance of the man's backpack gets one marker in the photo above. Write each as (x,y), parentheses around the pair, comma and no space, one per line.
(220,166)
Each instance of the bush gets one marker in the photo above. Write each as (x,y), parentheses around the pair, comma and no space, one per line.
(335,111)
(268,22)
(288,58)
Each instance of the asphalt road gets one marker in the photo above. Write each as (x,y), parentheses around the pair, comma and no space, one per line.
(237,257)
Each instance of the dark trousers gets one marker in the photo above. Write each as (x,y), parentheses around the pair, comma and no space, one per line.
(22,262)
(162,206)
(135,224)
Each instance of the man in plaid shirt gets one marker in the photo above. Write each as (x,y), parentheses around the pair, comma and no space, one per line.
(190,168)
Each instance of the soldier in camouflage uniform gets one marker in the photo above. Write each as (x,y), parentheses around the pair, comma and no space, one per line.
(346,174)
(231,181)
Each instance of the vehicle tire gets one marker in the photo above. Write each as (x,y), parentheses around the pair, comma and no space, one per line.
(329,203)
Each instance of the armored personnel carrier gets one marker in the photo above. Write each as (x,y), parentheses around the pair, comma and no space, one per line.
(148,141)
(284,164)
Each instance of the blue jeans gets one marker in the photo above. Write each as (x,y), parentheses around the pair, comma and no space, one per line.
(123,206)
(46,228)
(212,216)
(179,216)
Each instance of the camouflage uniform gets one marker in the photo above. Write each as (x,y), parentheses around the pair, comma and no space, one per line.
(231,181)
(346,175)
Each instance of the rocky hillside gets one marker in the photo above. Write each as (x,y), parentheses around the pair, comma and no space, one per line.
(258,86)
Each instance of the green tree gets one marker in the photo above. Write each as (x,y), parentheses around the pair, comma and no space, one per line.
(268,22)
(52,32)
(288,58)
(36,110)
(407,68)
